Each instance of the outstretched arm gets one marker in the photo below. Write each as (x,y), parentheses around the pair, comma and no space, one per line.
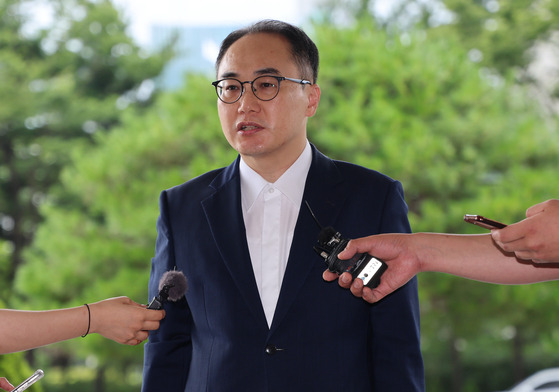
(119,319)
(474,257)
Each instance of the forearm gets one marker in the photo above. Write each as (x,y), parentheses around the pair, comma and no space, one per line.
(476,257)
(23,330)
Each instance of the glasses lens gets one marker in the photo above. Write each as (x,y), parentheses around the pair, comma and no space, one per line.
(265,87)
(229,90)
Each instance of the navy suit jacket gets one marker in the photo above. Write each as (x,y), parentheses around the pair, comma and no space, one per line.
(322,338)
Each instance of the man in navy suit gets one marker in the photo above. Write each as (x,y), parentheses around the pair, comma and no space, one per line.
(257,315)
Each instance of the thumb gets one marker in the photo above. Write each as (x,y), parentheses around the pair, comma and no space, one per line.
(353,247)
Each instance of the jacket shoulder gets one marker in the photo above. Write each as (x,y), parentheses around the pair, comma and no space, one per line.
(351,171)
(195,185)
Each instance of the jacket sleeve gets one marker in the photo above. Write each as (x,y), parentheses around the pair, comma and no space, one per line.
(397,361)
(168,352)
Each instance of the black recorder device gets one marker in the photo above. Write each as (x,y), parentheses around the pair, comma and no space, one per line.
(361,266)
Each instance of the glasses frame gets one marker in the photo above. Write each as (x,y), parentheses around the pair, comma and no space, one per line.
(278,78)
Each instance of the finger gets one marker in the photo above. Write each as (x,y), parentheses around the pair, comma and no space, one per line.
(349,250)
(536,209)
(141,335)
(155,315)
(354,246)
(137,338)
(329,276)
(345,280)
(510,243)
(5,384)
(509,234)
(133,342)
(524,255)
(381,291)
(371,296)
(357,288)
(150,325)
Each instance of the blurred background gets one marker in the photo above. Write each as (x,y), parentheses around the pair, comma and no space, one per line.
(104,104)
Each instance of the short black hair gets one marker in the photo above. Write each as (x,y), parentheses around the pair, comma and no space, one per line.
(303,49)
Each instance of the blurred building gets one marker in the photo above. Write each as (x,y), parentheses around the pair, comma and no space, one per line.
(196,46)
(201,32)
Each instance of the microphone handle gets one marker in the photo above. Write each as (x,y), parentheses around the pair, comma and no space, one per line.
(156,303)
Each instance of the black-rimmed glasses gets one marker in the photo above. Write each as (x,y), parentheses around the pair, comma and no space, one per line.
(265,88)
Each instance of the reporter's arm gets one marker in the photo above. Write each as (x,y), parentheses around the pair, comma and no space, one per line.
(478,257)
(475,257)
(119,319)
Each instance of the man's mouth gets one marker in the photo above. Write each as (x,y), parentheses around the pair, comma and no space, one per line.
(248,127)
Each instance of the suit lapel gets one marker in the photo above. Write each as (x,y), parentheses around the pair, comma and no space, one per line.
(325,194)
(224,213)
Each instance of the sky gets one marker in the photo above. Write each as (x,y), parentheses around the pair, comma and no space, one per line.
(142,14)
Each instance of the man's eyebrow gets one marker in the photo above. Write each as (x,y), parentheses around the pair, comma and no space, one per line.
(259,72)
(267,71)
(229,75)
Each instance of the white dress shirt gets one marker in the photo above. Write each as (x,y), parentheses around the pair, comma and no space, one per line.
(270,213)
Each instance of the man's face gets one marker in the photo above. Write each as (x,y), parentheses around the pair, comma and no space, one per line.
(273,129)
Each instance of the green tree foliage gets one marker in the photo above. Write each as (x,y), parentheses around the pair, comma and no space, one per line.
(58,87)
(505,37)
(101,244)
(417,109)
(502,31)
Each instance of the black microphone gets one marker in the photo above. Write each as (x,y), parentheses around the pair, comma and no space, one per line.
(172,287)
(361,265)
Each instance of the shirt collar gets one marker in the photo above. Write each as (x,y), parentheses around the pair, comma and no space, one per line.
(291,183)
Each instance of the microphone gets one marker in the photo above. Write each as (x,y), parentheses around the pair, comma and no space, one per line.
(172,287)
(361,265)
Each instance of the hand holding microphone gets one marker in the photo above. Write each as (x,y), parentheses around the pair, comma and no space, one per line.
(119,319)
(123,320)
(131,323)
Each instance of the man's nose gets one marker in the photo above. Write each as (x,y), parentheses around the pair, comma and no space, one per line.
(248,101)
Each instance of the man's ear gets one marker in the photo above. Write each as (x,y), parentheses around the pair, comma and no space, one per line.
(314,99)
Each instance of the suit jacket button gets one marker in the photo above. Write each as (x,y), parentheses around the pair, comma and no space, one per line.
(271,349)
